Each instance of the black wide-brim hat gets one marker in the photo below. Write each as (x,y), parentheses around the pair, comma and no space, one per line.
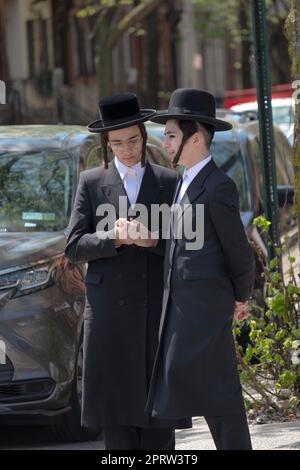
(193,105)
(118,112)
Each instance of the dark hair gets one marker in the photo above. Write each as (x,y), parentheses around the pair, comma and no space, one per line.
(188,128)
(104,145)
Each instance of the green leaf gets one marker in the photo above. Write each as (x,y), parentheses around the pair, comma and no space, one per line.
(288,378)
(277,304)
(276,277)
(249,354)
(293,289)
(278,359)
(288,342)
(262,223)
(274,263)
(296,333)
(244,377)
(278,252)
(281,334)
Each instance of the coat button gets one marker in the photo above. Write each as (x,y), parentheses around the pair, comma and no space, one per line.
(121,302)
(144,276)
(120,276)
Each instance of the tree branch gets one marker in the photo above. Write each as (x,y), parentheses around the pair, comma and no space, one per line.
(258,387)
(136,14)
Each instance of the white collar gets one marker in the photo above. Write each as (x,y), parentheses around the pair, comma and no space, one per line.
(192,172)
(123,169)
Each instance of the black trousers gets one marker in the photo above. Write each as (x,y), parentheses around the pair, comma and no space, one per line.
(134,438)
(230,432)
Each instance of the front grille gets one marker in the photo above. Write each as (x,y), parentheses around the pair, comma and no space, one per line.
(14,392)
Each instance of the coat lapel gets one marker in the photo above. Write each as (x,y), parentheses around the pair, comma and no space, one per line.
(197,185)
(196,188)
(177,190)
(150,188)
(113,186)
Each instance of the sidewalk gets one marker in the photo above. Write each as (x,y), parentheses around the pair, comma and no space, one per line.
(276,435)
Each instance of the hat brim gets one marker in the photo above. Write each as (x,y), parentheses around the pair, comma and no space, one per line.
(98,126)
(218,124)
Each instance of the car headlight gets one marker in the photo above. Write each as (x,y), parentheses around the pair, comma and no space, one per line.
(27,280)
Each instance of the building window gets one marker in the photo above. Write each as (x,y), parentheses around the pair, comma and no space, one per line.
(39,63)
(38,46)
(30,41)
(84,50)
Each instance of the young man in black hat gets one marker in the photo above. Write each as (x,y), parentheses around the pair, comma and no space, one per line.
(124,281)
(195,372)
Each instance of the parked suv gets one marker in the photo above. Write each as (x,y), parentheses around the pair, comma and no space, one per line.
(42,294)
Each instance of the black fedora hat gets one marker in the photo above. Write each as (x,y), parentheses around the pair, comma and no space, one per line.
(119,111)
(194,105)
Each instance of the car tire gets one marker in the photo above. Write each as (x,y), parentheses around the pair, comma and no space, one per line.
(69,428)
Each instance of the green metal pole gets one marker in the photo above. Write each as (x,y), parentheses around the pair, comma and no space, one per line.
(267,152)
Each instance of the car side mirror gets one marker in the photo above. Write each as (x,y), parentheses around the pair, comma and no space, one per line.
(285,195)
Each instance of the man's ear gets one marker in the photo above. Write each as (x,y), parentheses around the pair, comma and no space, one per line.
(198,138)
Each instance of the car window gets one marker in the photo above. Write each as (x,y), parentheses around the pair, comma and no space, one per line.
(157,132)
(227,156)
(94,158)
(35,191)
(283,157)
(283,115)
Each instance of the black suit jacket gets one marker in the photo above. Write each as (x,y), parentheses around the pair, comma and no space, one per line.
(195,370)
(124,290)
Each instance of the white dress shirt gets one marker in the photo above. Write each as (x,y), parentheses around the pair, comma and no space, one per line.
(189,175)
(131,177)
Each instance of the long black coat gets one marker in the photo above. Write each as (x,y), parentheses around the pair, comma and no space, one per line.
(124,290)
(195,371)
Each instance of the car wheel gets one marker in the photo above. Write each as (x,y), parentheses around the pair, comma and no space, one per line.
(70,429)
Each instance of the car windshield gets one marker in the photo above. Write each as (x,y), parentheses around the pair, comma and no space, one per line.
(227,155)
(35,191)
(283,115)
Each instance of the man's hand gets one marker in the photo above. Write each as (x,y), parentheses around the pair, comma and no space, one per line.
(240,311)
(122,233)
(133,232)
(141,235)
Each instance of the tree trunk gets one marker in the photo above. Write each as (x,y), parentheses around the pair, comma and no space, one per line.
(245,46)
(292,29)
(151,93)
(104,64)
(107,35)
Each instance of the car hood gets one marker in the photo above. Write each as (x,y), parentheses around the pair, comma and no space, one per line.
(19,249)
